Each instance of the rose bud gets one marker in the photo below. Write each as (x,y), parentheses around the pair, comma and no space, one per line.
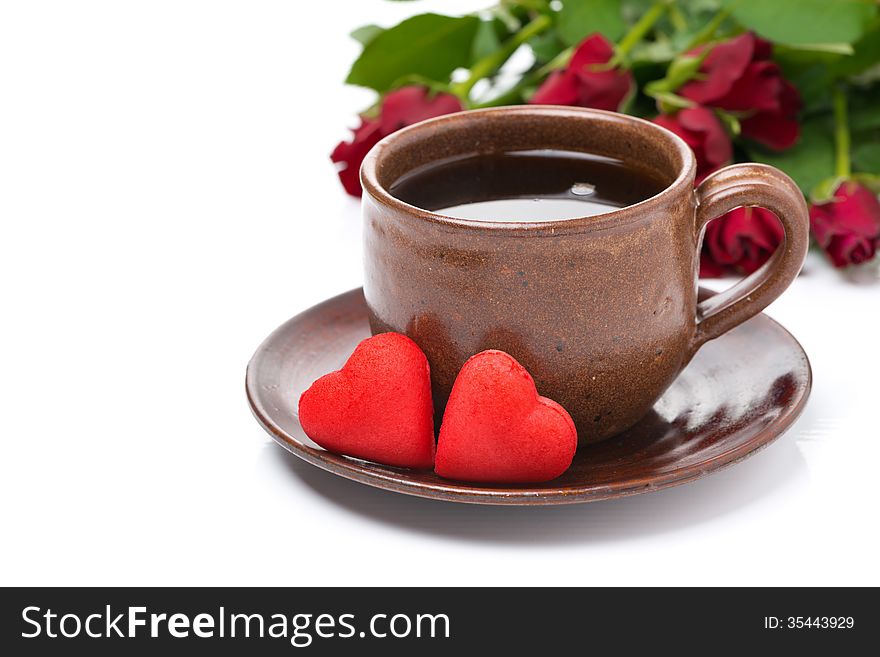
(738,75)
(703,132)
(399,109)
(585,82)
(847,227)
(739,242)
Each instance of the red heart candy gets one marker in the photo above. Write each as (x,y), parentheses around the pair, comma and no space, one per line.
(377,407)
(497,428)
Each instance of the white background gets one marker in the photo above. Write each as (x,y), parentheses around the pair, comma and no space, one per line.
(166,200)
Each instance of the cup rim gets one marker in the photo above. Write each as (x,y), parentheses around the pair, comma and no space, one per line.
(617,217)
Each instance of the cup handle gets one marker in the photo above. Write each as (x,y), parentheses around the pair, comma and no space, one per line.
(744,185)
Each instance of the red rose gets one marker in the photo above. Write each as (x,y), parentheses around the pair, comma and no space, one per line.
(351,154)
(848,226)
(703,132)
(584,82)
(739,76)
(399,109)
(740,241)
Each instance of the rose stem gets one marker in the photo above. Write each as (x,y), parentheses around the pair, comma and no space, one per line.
(841,134)
(708,32)
(488,65)
(641,28)
(512,95)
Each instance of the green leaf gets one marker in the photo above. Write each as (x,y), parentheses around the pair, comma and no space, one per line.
(487,39)
(734,127)
(814,71)
(653,52)
(685,67)
(366,33)
(866,54)
(810,72)
(580,18)
(869,180)
(808,162)
(546,46)
(864,118)
(428,45)
(864,115)
(866,157)
(632,10)
(669,103)
(810,48)
(805,21)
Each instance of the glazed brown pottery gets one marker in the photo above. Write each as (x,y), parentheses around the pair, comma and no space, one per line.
(738,394)
(601,310)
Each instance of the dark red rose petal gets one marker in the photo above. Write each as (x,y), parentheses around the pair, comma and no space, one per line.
(723,66)
(741,240)
(561,88)
(410,105)
(399,109)
(584,83)
(848,226)
(351,154)
(704,133)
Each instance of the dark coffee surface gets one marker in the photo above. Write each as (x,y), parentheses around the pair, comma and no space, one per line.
(526,186)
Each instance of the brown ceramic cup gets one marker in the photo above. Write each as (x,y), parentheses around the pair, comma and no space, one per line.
(602,310)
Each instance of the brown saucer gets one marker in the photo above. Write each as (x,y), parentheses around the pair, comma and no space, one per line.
(740,392)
